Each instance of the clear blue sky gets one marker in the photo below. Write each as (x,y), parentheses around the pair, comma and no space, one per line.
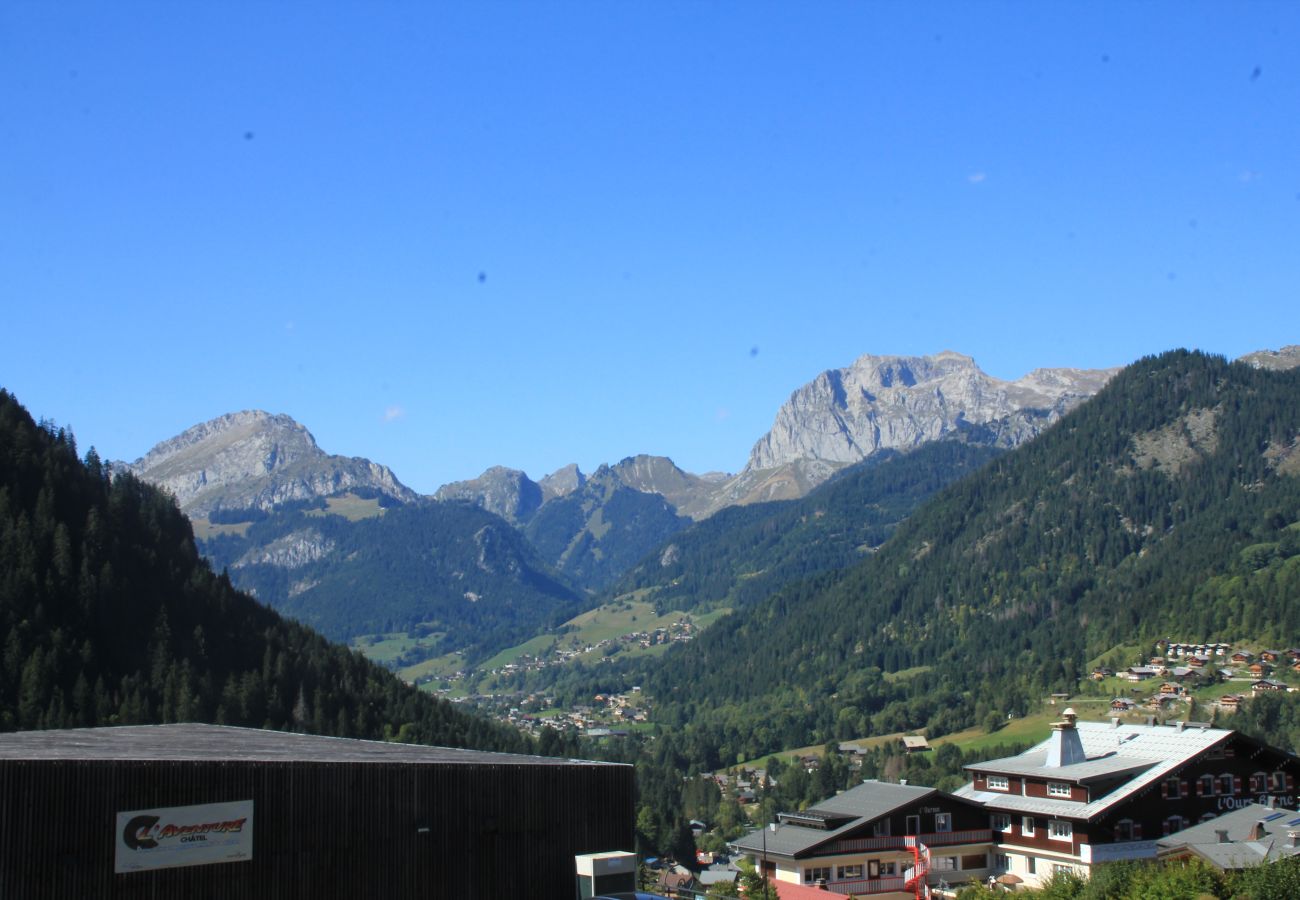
(451,235)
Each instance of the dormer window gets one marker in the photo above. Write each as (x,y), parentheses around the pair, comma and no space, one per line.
(998,783)
(1058,789)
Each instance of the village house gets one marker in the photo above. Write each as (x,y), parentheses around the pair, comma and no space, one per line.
(1095,792)
(1122,704)
(1265,685)
(876,839)
(1237,840)
(1140,673)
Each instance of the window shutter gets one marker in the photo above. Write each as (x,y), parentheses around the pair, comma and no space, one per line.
(1237,781)
(1185,791)
(1137,831)
(1200,787)
(1164,790)
(1290,782)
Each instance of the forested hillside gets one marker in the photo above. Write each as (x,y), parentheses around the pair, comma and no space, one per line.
(744,553)
(594,534)
(110,617)
(451,571)
(1167,505)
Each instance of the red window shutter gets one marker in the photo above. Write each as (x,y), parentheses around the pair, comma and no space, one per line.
(1290,782)
(1237,781)
(1200,788)
(1137,831)
(1186,792)
(1164,790)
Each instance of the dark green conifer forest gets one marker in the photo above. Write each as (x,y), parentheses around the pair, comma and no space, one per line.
(110,616)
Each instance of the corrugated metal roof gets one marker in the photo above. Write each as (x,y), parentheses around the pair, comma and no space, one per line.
(1241,848)
(226,743)
(1151,750)
(867,802)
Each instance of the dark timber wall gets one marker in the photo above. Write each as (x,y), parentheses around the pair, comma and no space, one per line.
(321,829)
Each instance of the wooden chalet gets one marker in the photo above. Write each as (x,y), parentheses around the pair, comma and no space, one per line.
(876,839)
(1097,792)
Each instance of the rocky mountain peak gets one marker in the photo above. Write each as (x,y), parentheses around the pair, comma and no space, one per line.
(562,481)
(899,402)
(254,459)
(1286,358)
(509,493)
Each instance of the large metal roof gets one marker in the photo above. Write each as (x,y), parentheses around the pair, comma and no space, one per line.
(865,803)
(1153,752)
(206,743)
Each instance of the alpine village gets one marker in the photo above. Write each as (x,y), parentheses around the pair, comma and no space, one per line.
(942,636)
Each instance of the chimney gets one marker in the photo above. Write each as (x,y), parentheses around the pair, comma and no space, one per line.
(1066,748)
(1258,833)
(1222,835)
(1293,839)
(1114,721)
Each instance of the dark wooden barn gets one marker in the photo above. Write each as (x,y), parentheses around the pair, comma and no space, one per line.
(206,811)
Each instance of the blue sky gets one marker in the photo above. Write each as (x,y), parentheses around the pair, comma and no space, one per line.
(451,235)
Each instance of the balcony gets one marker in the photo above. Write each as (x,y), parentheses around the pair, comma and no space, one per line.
(883,844)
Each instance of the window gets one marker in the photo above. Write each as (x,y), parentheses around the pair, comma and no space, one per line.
(1172,789)
(888,868)
(1058,789)
(1279,781)
(1226,785)
(816,874)
(1124,830)
(1031,865)
(998,783)
(845,873)
(1061,869)
(912,824)
(1060,831)
(1002,861)
(1000,822)
(1205,786)
(1259,783)
(1027,825)
(943,822)
(1207,817)
(881,828)
(943,863)
(1174,823)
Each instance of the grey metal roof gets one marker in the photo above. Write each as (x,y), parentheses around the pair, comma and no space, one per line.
(867,802)
(1152,751)
(194,742)
(1241,848)
(1034,764)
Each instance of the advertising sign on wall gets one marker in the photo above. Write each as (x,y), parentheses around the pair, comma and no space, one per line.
(184,836)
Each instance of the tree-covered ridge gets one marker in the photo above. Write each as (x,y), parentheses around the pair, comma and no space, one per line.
(449,569)
(596,533)
(111,617)
(1005,583)
(745,553)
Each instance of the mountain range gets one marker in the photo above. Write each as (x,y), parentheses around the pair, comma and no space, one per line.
(261,492)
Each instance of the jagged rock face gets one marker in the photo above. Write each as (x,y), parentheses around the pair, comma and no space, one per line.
(562,482)
(689,494)
(892,402)
(1286,358)
(509,493)
(255,460)
(293,551)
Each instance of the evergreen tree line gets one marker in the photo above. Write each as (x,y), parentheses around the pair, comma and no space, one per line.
(111,617)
